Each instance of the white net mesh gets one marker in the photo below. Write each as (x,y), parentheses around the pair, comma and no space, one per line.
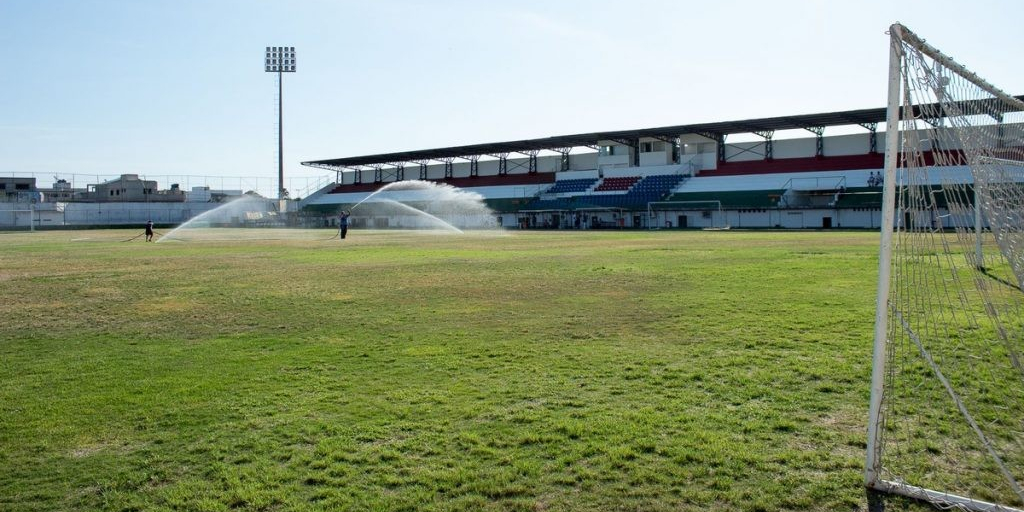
(952,414)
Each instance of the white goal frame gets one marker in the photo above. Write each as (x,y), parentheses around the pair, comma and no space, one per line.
(652,213)
(900,35)
(33,217)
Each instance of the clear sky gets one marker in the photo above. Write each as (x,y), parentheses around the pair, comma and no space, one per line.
(177,87)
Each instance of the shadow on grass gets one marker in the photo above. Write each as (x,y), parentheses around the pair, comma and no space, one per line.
(999,279)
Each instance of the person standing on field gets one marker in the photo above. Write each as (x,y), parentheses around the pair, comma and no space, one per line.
(149,231)
(343,224)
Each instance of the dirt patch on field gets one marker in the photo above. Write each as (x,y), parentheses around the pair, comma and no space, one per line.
(165,305)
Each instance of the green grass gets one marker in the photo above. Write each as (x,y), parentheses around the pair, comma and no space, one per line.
(538,371)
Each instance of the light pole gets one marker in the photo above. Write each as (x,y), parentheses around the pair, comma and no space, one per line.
(280,59)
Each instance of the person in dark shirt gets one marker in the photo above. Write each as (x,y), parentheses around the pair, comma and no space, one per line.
(343,224)
(149,231)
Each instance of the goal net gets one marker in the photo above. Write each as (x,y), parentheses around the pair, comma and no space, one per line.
(947,398)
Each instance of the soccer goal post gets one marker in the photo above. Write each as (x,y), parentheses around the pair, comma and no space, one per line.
(710,211)
(946,416)
(25,218)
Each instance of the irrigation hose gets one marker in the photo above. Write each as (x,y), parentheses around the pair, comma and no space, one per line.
(140,234)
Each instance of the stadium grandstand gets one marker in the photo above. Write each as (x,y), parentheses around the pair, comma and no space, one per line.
(688,176)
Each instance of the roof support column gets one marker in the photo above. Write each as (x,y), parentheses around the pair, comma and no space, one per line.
(474,166)
(819,139)
(1000,133)
(767,135)
(564,161)
(423,169)
(358,176)
(873,137)
(532,153)
(400,171)
(502,163)
(378,174)
(448,167)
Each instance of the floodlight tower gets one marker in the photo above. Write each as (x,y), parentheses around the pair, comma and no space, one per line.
(280,59)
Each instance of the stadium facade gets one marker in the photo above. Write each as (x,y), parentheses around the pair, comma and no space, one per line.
(688,176)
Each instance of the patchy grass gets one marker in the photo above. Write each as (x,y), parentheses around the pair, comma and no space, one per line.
(537,371)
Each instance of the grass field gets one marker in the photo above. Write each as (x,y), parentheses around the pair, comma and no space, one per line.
(395,371)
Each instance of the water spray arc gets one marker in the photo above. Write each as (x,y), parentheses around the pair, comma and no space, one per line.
(229,213)
(445,205)
(444,225)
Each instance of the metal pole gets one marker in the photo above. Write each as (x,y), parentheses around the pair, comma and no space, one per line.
(280,137)
(892,135)
(979,256)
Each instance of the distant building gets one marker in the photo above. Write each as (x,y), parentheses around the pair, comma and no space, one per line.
(130,188)
(18,190)
(208,195)
(61,192)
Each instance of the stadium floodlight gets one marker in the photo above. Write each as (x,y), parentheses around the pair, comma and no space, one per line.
(280,59)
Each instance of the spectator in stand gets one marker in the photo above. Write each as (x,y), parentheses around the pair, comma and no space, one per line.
(875,180)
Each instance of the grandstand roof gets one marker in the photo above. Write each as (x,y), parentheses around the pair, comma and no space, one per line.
(848,117)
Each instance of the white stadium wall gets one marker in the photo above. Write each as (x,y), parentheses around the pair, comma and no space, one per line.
(21,215)
(578,175)
(583,161)
(108,214)
(613,161)
(853,144)
(796,148)
(712,219)
(655,158)
(803,147)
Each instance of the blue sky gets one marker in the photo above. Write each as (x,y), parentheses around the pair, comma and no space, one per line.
(177,87)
